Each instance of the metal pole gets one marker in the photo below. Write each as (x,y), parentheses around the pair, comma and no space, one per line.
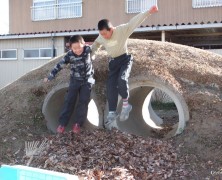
(163,36)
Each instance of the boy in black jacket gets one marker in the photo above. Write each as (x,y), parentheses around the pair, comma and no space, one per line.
(81,81)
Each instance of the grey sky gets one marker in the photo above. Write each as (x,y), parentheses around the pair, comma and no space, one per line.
(4,17)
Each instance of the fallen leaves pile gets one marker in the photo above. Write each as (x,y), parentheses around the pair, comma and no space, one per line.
(103,154)
(194,73)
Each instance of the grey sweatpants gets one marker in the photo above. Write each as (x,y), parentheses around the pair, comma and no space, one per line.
(117,83)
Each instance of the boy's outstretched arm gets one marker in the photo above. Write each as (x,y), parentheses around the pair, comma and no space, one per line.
(94,48)
(57,68)
(138,19)
(153,10)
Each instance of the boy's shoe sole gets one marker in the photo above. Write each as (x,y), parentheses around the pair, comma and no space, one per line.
(125,113)
(109,124)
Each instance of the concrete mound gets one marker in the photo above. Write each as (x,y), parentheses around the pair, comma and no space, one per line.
(190,76)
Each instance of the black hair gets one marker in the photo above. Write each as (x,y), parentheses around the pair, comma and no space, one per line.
(76,39)
(104,24)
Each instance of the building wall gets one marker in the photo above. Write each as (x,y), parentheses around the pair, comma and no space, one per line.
(217,51)
(10,70)
(170,12)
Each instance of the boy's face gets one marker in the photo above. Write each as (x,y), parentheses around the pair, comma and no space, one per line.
(77,48)
(106,34)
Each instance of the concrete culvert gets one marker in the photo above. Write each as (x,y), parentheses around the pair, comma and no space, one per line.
(145,76)
(53,104)
(190,76)
(143,119)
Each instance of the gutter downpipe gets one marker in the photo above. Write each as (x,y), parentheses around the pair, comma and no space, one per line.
(53,45)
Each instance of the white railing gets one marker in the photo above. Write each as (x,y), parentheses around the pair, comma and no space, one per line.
(206,3)
(73,10)
(43,12)
(136,6)
(57,11)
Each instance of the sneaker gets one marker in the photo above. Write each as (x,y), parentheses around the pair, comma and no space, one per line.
(60,129)
(125,112)
(76,128)
(110,118)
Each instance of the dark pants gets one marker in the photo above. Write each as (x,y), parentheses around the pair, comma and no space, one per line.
(119,71)
(83,89)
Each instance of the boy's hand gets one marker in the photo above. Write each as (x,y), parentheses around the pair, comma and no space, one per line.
(46,80)
(153,9)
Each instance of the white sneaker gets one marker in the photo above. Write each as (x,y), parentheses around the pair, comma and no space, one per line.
(125,112)
(111,117)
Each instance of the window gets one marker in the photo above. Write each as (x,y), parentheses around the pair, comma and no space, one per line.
(43,10)
(136,6)
(69,9)
(42,53)
(206,3)
(56,9)
(45,53)
(34,53)
(8,54)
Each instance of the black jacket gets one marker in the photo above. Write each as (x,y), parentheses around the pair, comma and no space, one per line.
(81,66)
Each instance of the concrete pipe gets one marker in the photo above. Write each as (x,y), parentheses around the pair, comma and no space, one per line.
(53,104)
(142,118)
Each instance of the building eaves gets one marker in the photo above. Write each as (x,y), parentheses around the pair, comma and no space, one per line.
(146,28)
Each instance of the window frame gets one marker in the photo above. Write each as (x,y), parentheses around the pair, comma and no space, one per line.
(144,5)
(39,53)
(10,59)
(59,9)
(202,4)
(36,10)
(56,9)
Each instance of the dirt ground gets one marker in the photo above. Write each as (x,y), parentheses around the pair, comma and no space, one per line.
(195,73)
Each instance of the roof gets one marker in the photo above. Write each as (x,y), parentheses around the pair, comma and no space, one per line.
(215,26)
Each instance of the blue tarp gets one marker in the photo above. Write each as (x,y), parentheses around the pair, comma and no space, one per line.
(28,173)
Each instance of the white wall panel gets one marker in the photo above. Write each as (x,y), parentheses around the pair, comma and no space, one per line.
(11,70)
(217,51)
